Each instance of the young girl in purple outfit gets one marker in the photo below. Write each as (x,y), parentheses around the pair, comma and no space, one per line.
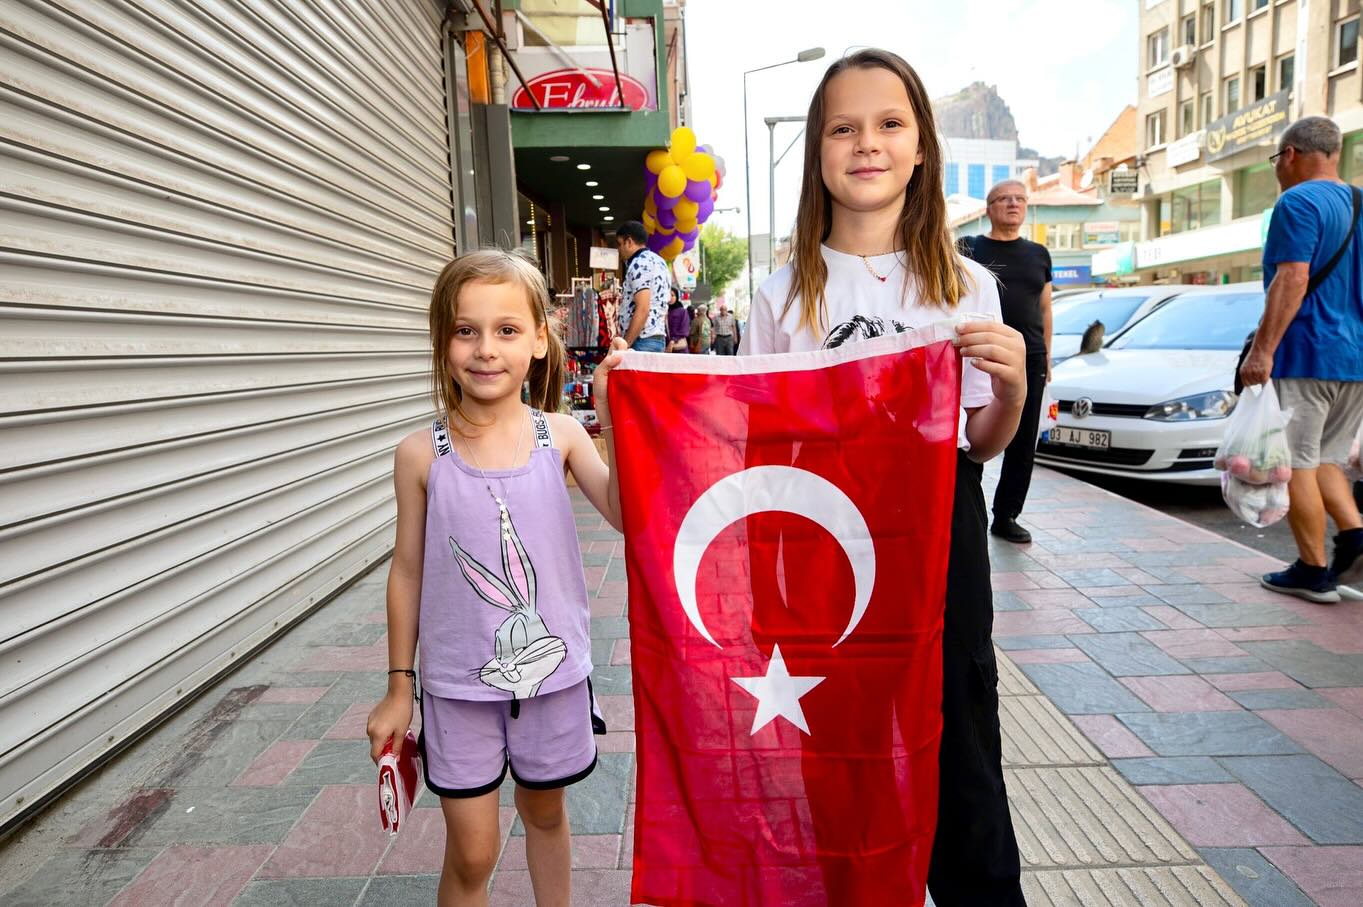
(487,572)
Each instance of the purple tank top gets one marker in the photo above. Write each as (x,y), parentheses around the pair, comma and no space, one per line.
(504,614)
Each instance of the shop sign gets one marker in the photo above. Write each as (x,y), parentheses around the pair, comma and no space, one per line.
(1260,122)
(1120,259)
(1159,82)
(603,258)
(1069,275)
(1101,233)
(577,89)
(1237,236)
(1123,182)
(1185,150)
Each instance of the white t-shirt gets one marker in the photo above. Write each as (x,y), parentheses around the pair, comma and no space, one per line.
(860,307)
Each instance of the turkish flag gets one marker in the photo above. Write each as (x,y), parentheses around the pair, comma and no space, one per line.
(787,521)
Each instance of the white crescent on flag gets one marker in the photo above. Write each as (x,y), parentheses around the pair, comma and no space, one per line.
(763,489)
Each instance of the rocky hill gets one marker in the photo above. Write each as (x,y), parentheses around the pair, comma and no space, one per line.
(977,112)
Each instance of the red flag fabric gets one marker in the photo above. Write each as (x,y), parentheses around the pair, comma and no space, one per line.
(787,521)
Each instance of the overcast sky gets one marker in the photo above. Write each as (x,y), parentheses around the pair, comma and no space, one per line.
(1065,71)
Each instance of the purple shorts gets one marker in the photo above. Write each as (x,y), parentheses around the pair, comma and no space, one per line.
(467,745)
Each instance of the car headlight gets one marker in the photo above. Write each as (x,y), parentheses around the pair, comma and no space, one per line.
(1216,405)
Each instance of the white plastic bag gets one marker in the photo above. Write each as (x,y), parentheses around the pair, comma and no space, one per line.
(1050,413)
(1354,467)
(1255,459)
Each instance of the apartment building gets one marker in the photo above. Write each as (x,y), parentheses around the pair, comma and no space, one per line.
(1219,82)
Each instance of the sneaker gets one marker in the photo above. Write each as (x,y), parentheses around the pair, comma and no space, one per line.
(1315,584)
(1347,565)
(1009,530)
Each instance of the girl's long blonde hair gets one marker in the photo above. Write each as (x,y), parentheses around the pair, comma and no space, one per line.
(932,262)
(500,267)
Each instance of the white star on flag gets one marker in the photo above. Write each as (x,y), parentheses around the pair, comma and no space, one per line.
(778,693)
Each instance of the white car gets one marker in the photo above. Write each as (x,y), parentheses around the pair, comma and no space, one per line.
(1115,307)
(1153,403)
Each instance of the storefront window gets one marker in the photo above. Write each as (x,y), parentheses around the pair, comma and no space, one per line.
(566,23)
(1195,207)
(1256,189)
(1351,160)
(1063,237)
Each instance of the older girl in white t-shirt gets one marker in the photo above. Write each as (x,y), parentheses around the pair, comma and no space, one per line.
(872,254)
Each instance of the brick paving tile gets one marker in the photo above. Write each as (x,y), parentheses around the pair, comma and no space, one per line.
(1333,876)
(1221,815)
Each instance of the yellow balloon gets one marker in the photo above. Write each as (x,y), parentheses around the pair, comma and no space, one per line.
(672,181)
(650,204)
(686,209)
(664,231)
(686,225)
(674,248)
(683,144)
(650,222)
(657,160)
(699,167)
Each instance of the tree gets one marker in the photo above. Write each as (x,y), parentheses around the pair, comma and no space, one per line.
(724,256)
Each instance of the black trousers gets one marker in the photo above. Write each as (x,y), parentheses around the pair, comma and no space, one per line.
(975,854)
(1016,475)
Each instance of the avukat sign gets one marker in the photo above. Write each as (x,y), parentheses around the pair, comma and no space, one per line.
(787,522)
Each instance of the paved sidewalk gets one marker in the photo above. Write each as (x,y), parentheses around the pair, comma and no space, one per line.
(1200,721)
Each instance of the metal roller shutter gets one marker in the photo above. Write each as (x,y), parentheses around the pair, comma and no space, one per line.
(219,226)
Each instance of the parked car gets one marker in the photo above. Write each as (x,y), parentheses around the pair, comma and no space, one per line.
(1153,403)
(1115,307)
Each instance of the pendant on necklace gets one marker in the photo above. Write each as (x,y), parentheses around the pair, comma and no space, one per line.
(867,262)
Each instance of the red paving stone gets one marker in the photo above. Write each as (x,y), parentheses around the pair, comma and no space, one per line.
(607,607)
(620,652)
(616,742)
(1350,699)
(591,888)
(1045,579)
(292,694)
(1057,622)
(1061,656)
(1220,815)
(1194,644)
(589,852)
(351,725)
(1111,736)
(1256,634)
(1332,734)
(1049,599)
(1011,582)
(1341,640)
(201,876)
(344,658)
(1179,693)
(1331,876)
(338,835)
(1171,617)
(618,711)
(1150,543)
(419,847)
(275,764)
(1260,680)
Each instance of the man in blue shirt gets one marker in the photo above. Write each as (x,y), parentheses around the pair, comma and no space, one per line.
(646,292)
(1311,341)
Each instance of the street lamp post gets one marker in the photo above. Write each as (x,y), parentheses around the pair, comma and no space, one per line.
(804,56)
(771,183)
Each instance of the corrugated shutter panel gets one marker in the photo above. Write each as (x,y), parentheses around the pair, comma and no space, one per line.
(219,226)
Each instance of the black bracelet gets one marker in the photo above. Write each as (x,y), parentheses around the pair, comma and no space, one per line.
(410,673)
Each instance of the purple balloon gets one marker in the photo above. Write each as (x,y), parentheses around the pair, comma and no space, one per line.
(650,180)
(667,219)
(664,202)
(689,236)
(704,210)
(697,190)
(657,241)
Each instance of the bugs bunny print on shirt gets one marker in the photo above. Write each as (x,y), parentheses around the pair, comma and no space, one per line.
(524,651)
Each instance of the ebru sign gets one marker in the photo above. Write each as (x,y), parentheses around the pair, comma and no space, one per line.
(582,89)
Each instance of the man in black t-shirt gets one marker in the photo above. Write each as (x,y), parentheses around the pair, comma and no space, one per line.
(1023,269)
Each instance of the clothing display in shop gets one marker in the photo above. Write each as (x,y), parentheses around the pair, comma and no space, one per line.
(582,324)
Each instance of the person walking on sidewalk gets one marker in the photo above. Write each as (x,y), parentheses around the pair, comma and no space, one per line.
(646,292)
(678,324)
(1023,269)
(726,332)
(698,340)
(1310,341)
(486,575)
(872,254)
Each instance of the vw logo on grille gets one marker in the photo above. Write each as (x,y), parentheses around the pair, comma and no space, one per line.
(1081,408)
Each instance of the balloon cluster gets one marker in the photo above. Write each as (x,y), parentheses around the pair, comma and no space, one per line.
(681,183)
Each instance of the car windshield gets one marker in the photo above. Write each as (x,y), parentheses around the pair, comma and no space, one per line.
(1196,321)
(1082,311)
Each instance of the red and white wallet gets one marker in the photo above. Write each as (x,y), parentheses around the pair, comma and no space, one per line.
(398,783)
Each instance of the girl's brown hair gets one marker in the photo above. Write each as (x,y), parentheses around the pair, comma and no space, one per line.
(932,261)
(501,267)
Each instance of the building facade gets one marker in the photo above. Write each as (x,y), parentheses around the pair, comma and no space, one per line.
(973,165)
(1219,82)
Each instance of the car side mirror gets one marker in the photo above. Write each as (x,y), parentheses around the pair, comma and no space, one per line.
(1092,341)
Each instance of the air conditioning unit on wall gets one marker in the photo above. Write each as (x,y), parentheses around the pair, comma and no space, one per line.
(1183,56)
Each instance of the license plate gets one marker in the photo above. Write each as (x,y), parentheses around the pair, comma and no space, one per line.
(1080,437)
